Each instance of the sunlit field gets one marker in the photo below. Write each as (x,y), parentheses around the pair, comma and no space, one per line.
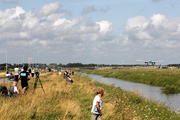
(73,101)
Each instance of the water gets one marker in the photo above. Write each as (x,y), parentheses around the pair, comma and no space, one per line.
(150,92)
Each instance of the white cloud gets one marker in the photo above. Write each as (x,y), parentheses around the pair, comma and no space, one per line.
(155,31)
(105,26)
(159,20)
(43,43)
(49,9)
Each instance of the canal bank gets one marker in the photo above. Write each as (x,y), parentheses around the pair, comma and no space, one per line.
(166,78)
(150,92)
(128,103)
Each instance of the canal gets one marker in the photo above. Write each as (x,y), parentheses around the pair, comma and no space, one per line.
(149,91)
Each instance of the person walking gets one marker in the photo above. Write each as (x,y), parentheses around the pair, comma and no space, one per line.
(97,105)
(24,77)
(32,72)
(16,70)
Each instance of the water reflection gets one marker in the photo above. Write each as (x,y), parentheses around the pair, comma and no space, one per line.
(151,92)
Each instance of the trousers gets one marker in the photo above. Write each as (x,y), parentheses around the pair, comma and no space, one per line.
(95,116)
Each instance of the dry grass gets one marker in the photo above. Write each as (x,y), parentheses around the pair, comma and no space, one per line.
(58,102)
(2,75)
(65,101)
(39,105)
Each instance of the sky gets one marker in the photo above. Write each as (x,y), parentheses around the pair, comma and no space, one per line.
(90,31)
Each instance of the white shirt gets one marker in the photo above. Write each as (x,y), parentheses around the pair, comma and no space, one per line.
(33,71)
(15,89)
(94,107)
(16,71)
(7,75)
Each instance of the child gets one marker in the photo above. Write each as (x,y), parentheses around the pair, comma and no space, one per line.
(97,105)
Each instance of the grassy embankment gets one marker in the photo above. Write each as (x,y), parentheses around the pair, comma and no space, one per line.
(66,101)
(166,78)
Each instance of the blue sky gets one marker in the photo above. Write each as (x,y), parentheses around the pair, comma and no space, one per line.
(91,31)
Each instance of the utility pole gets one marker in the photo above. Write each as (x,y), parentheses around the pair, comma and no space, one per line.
(6,61)
(16,58)
(23,60)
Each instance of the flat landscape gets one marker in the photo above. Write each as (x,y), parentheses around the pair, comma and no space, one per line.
(65,101)
(169,79)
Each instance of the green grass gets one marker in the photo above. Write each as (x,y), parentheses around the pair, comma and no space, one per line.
(157,77)
(128,105)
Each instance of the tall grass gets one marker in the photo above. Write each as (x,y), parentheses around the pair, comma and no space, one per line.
(56,103)
(65,101)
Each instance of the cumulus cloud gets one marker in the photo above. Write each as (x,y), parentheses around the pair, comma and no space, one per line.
(49,9)
(47,29)
(156,31)
(47,35)
(105,26)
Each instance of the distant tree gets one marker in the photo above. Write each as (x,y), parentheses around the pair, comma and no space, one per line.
(2,68)
(60,64)
(74,65)
(53,66)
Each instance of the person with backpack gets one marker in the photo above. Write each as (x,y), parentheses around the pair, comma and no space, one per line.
(13,89)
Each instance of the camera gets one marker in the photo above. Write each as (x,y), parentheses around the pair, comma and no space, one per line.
(37,74)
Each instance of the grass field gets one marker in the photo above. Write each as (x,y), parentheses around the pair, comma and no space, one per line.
(167,78)
(65,101)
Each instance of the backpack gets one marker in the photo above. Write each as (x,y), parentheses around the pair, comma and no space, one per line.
(11,90)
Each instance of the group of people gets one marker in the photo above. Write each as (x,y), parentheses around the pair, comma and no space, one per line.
(24,76)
